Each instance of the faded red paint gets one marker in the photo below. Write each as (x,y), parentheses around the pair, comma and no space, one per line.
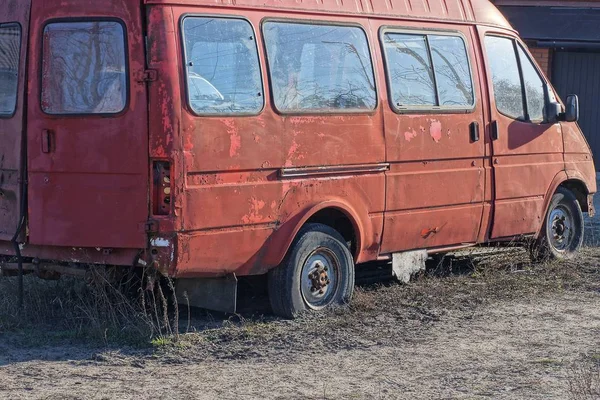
(405,181)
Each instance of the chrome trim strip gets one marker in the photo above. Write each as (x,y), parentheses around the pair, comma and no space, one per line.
(333,170)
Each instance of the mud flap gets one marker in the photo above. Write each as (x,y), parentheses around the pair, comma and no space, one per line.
(217,294)
(407,264)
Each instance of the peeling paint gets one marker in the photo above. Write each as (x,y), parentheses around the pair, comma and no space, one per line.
(254,215)
(235,144)
(435,130)
(410,135)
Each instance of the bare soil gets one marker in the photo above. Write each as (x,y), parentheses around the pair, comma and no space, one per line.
(485,324)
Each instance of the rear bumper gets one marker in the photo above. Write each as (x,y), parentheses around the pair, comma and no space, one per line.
(80,255)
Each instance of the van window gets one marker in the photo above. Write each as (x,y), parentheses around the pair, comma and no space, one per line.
(534,88)
(319,68)
(223,72)
(428,71)
(10,45)
(410,71)
(84,68)
(452,70)
(506,78)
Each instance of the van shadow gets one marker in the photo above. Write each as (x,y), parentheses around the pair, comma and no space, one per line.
(521,133)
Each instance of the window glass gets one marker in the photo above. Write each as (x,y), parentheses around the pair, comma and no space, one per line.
(409,69)
(505,76)
(534,88)
(10,44)
(84,68)
(319,67)
(223,72)
(452,71)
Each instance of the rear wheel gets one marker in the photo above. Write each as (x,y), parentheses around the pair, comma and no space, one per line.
(317,272)
(562,233)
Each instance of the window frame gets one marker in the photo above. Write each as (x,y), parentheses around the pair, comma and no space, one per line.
(186,91)
(370,111)
(17,97)
(427,109)
(516,43)
(126,105)
(539,74)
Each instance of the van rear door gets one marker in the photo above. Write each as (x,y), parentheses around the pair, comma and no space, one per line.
(14,28)
(87,131)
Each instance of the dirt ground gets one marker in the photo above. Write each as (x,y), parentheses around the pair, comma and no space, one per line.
(483,325)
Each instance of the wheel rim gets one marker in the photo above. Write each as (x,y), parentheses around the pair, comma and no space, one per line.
(320,278)
(560,228)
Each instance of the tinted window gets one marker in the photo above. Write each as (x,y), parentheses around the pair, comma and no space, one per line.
(10,44)
(452,70)
(409,68)
(319,67)
(505,76)
(84,68)
(223,73)
(534,88)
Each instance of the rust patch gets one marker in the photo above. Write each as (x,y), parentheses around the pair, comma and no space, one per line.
(426,233)
(435,130)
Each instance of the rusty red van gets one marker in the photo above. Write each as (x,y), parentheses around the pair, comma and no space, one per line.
(292,139)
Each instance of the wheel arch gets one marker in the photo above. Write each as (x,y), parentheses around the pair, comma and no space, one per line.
(336,214)
(572,181)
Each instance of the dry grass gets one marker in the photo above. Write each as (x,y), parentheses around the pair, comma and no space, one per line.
(92,309)
(454,287)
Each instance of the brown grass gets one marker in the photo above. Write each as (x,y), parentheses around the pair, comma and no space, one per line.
(94,308)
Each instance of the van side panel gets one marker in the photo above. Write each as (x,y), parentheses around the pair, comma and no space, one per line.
(238,212)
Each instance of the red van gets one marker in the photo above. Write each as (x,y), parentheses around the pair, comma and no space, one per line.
(217,139)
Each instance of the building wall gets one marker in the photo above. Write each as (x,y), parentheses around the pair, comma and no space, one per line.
(543,58)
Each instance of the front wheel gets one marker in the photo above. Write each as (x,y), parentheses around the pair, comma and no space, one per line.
(317,272)
(562,232)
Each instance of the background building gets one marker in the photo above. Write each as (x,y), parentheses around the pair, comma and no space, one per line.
(564,37)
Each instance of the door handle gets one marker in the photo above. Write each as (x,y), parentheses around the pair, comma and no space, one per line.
(474,131)
(495,130)
(47,139)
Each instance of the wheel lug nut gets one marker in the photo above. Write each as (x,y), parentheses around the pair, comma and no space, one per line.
(321,291)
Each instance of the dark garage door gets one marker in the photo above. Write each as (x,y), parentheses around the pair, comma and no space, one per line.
(578,72)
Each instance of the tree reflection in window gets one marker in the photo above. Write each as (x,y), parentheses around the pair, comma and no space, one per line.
(223,73)
(319,67)
(84,68)
(10,44)
(428,70)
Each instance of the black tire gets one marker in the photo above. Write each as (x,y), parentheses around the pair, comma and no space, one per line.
(561,236)
(287,295)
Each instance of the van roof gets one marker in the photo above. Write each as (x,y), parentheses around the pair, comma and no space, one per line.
(474,11)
